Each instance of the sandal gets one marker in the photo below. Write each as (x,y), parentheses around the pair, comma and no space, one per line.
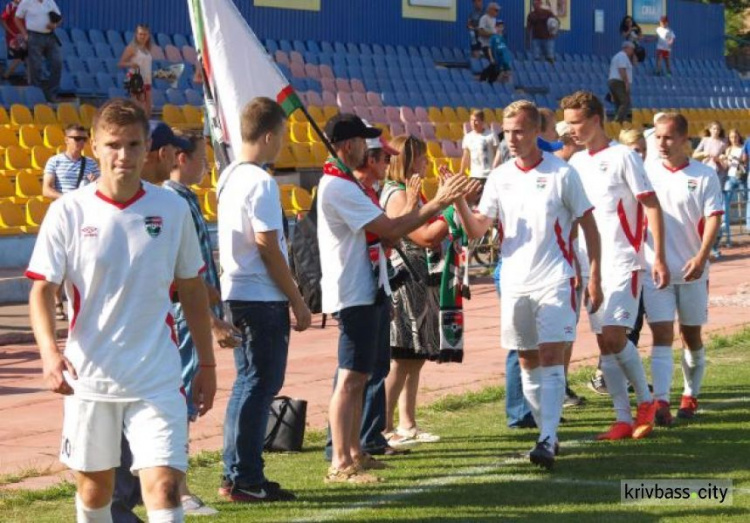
(60,312)
(398,441)
(367,462)
(350,474)
(417,435)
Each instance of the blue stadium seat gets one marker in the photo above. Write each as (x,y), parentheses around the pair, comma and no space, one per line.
(111,66)
(84,50)
(176,97)
(389,50)
(180,40)
(96,37)
(32,96)
(74,64)
(365,49)
(377,49)
(67,84)
(85,84)
(271,45)
(325,59)
(339,48)
(10,95)
(93,66)
(114,37)
(78,36)
(194,97)
(117,92)
(161,84)
(163,40)
(326,47)
(63,36)
(401,51)
(299,46)
(299,84)
(103,51)
(157,99)
(352,48)
(312,46)
(128,36)
(104,82)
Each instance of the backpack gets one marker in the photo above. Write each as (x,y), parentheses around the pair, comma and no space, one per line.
(134,84)
(305,259)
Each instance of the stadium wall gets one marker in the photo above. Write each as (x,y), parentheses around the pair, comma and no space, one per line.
(699,27)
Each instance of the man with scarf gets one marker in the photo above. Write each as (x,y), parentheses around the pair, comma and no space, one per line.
(355,280)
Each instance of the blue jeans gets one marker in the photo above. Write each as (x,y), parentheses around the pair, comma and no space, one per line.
(188,358)
(127,493)
(44,50)
(260,363)
(543,47)
(373,403)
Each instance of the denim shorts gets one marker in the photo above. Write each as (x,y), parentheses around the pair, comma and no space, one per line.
(358,337)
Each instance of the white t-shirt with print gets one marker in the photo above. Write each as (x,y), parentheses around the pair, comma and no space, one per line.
(614,180)
(621,61)
(535,210)
(118,261)
(248,203)
(347,274)
(687,195)
(482,148)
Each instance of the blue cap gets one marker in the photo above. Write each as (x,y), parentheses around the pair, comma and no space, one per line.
(162,135)
(548,147)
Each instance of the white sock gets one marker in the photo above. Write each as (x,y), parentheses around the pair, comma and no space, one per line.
(553,394)
(632,366)
(166,515)
(85,514)
(662,368)
(532,391)
(693,369)
(617,386)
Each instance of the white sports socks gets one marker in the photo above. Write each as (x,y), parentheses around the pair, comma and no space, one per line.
(632,366)
(85,514)
(662,368)
(166,515)
(693,369)
(617,386)
(553,394)
(532,391)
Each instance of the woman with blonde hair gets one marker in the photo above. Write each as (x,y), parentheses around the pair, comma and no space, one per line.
(633,139)
(137,59)
(415,329)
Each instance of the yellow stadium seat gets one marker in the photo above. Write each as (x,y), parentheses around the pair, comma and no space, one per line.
(36,209)
(44,115)
(54,136)
(434,150)
(456,131)
(68,114)
(7,187)
(429,187)
(173,116)
(285,159)
(298,132)
(298,117)
(39,156)
(29,137)
(455,164)
(7,137)
(87,113)
(210,206)
(463,114)
(314,192)
(88,151)
(4,118)
(450,115)
(193,117)
(13,219)
(28,184)
(319,152)
(316,113)
(285,194)
(443,131)
(20,115)
(498,115)
(329,112)
(17,158)
(303,156)
(489,116)
(436,115)
(301,200)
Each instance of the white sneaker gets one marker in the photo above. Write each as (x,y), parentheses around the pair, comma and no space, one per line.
(398,441)
(193,506)
(417,435)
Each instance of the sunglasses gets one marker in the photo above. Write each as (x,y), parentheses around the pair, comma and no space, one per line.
(78,138)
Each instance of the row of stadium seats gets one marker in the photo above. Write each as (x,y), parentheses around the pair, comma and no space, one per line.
(42,114)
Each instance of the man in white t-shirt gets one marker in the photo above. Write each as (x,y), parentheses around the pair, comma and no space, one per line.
(665,40)
(258,288)
(120,244)
(486,27)
(480,146)
(620,80)
(690,195)
(616,183)
(37,21)
(354,278)
(536,199)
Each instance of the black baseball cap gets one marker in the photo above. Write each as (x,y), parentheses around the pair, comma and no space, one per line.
(161,135)
(345,126)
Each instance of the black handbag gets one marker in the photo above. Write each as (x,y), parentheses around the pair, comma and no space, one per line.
(285,430)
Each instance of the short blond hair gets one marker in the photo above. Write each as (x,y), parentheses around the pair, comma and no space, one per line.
(409,148)
(630,136)
(524,106)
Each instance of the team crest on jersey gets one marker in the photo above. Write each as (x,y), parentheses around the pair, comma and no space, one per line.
(692,185)
(89,231)
(603,166)
(153,225)
(541,182)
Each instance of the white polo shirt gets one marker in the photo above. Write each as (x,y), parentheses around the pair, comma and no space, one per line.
(347,274)
(688,195)
(36,14)
(249,203)
(535,209)
(118,262)
(621,61)
(614,180)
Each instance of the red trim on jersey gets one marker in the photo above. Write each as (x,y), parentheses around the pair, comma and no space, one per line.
(76,306)
(35,276)
(594,153)
(500,233)
(203,269)
(675,169)
(634,284)
(717,213)
(644,195)
(172,332)
(701,227)
(123,205)
(635,240)
(183,392)
(573,294)
(567,254)
(588,211)
(527,169)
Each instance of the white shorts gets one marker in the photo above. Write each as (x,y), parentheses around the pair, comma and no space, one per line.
(689,301)
(544,316)
(620,305)
(155,428)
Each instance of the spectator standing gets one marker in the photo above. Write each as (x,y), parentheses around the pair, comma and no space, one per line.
(732,160)
(487,27)
(665,41)
(480,148)
(621,79)
(630,30)
(473,25)
(538,32)
(258,288)
(137,58)
(745,163)
(499,55)
(37,20)
(709,151)
(17,50)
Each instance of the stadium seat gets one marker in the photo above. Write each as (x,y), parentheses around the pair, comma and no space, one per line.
(114,37)
(163,39)
(16,158)
(7,137)
(189,54)
(29,137)
(78,36)
(13,219)
(74,64)
(67,114)
(54,136)
(84,50)
(104,51)
(157,52)
(44,115)
(194,97)
(193,117)
(173,116)
(301,200)
(7,188)
(36,209)
(176,97)
(85,84)
(39,156)
(10,95)
(285,159)
(20,115)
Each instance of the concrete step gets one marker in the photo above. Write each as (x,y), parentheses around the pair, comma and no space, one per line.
(14,286)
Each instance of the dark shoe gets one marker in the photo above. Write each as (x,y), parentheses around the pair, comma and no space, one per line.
(631,390)
(688,407)
(543,454)
(663,417)
(527,422)
(264,493)
(390,451)
(572,399)
(226,487)
(598,385)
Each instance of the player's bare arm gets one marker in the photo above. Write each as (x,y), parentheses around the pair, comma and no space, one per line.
(660,272)
(695,266)
(42,315)
(593,291)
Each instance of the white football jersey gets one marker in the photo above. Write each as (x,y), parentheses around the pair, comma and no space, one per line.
(535,210)
(687,196)
(614,179)
(118,261)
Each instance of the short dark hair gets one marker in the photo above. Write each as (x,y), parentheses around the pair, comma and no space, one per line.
(191,138)
(260,116)
(678,120)
(121,112)
(375,154)
(586,101)
(74,127)
(478,113)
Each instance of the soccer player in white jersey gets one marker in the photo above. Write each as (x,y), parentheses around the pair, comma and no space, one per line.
(120,244)
(690,195)
(616,183)
(536,200)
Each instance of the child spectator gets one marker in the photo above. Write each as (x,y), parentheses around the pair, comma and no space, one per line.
(664,45)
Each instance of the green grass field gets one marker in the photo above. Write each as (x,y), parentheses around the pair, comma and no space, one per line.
(478,472)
